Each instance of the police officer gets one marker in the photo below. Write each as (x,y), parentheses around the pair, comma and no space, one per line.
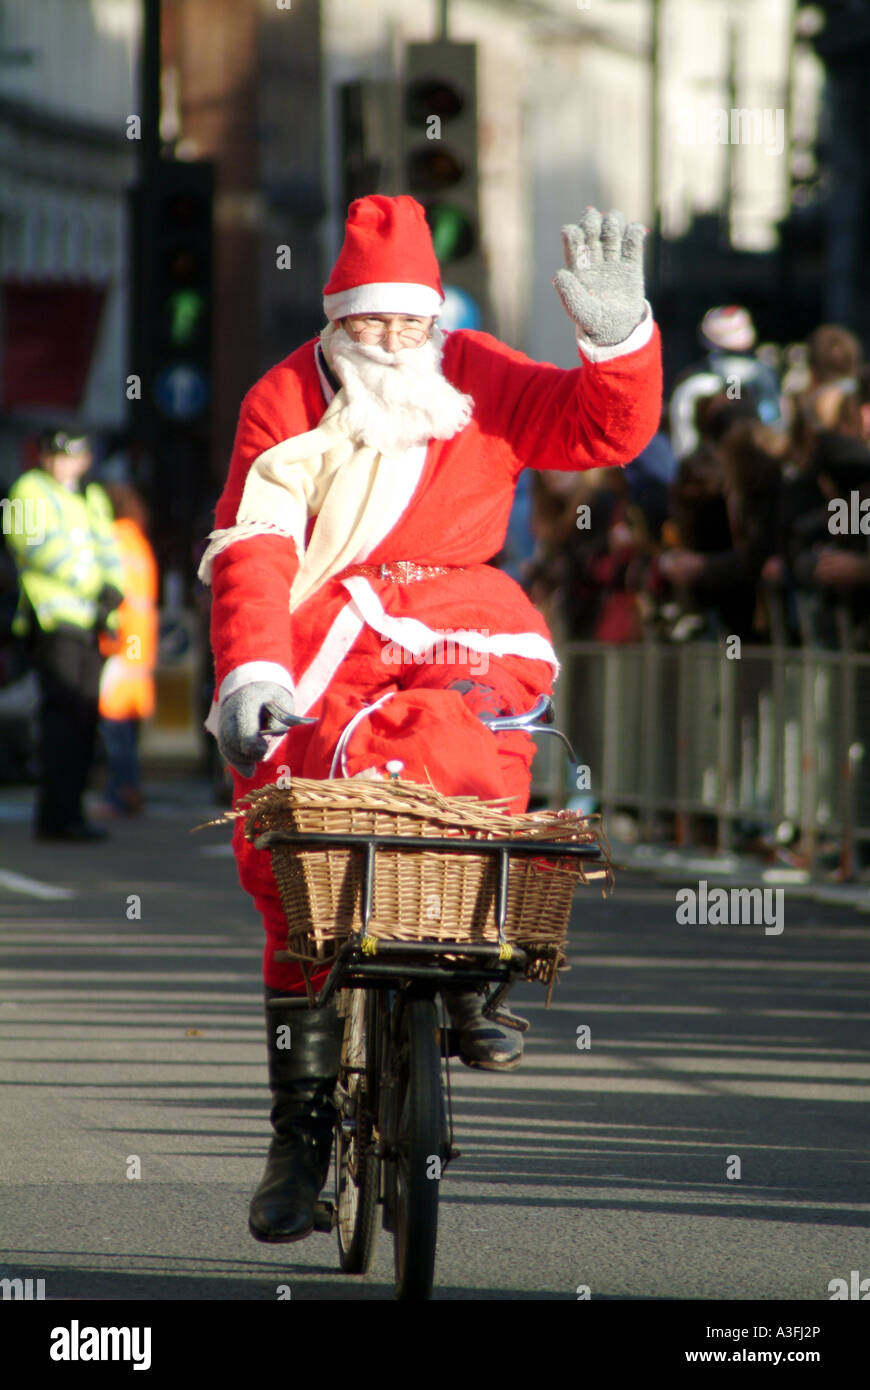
(70,576)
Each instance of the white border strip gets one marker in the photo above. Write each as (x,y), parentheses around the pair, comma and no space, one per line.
(337,643)
(416,637)
(247,674)
(384,297)
(637,338)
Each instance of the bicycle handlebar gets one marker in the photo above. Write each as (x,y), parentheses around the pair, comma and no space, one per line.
(279,721)
(536,720)
(541,712)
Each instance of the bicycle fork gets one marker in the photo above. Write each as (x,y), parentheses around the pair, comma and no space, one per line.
(390,1097)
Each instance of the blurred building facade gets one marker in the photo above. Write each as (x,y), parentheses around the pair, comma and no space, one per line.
(67,84)
(614,102)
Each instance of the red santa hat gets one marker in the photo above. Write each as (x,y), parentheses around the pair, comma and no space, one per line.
(729,328)
(387,264)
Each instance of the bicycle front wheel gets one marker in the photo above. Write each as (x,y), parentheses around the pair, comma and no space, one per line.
(357,1170)
(419,1149)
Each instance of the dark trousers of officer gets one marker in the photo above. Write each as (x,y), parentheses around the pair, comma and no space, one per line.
(67,664)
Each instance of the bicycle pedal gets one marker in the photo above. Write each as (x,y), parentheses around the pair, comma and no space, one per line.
(324,1216)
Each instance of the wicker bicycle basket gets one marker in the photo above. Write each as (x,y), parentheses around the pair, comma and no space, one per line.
(419,895)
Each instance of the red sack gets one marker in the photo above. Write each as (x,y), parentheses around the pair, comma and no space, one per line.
(432,732)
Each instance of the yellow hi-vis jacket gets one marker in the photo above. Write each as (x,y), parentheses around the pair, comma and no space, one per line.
(63,545)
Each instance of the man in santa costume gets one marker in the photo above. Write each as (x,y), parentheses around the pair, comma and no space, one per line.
(371,480)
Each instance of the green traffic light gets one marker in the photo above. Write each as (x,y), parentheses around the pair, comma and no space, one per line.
(452,231)
(185,316)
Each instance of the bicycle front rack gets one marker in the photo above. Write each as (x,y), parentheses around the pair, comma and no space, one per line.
(355,965)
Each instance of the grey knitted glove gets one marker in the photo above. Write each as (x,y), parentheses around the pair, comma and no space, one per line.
(602,289)
(244,720)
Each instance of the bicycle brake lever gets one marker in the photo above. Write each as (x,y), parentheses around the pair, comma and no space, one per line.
(557,733)
(278,721)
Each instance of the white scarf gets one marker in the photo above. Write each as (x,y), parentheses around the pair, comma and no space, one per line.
(296,479)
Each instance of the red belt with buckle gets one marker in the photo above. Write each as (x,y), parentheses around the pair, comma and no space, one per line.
(396,571)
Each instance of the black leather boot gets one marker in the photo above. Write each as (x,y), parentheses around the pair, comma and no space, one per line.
(302,1078)
(483,1042)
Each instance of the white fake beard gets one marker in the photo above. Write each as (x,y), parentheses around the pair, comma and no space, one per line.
(395,400)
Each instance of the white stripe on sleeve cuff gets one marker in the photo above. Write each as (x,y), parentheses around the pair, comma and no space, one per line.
(637,338)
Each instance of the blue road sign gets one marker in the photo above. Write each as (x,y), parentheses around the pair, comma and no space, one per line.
(181,391)
(459,311)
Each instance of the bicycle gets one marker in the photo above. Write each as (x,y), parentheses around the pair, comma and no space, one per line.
(394,1118)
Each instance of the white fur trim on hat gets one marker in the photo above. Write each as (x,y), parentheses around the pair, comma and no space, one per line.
(729,328)
(387,297)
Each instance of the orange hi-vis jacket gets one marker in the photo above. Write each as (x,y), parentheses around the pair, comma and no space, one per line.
(127,681)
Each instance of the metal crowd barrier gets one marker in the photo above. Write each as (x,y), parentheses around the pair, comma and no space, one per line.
(678,732)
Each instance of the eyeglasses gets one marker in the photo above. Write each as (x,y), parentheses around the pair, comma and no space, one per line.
(371,331)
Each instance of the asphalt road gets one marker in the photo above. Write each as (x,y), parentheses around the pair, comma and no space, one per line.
(603,1167)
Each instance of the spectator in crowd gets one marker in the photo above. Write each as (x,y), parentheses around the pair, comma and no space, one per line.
(734,484)
(611,566)
(9,592)
(595,534)
(728,336)
(127,680)
(563,520)
(834,354)
(70,586)
(862,401)
(822,570)
(740,540)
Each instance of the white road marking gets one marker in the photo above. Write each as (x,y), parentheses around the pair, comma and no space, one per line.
(32,887)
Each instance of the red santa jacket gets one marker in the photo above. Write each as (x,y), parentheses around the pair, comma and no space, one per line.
(453,510)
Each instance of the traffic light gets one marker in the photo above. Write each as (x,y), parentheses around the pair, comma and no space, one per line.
(439,137)
(368,135)
(171,336)
(178,283)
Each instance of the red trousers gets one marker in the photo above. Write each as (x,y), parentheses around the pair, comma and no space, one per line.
(429,722)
